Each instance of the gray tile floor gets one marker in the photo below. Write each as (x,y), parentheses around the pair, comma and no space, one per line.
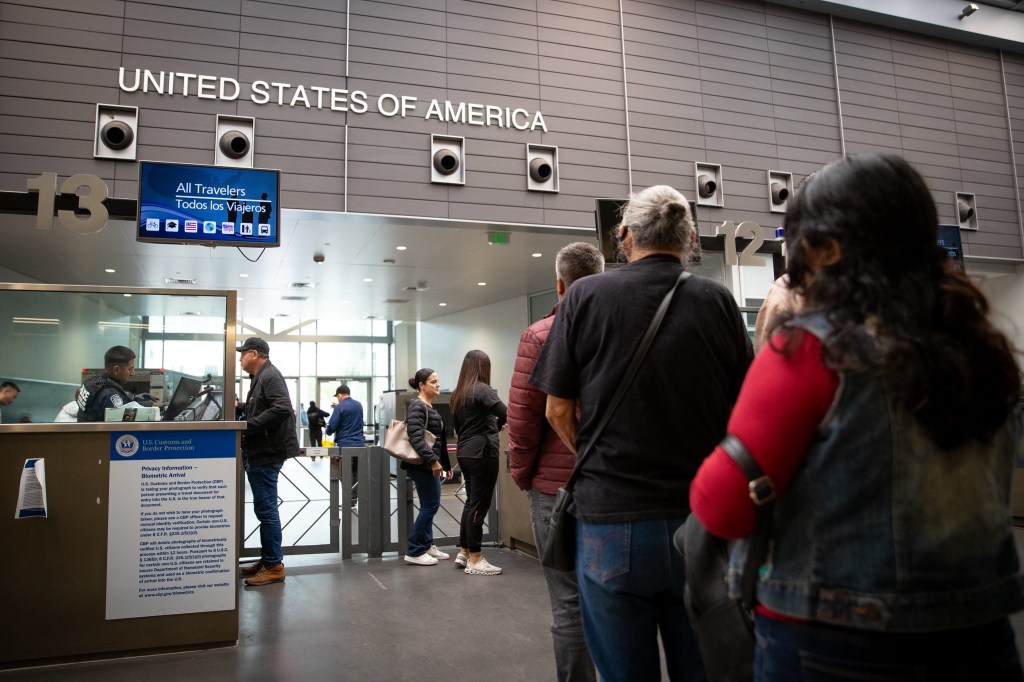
(366,619)
(372,619)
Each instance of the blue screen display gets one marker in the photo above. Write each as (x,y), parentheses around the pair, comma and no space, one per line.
(949,239)
(190,204)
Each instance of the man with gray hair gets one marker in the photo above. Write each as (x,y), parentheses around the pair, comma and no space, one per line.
(540,463)
(632,493)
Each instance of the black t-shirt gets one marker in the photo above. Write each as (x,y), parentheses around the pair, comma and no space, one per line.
(676,409)
(478,421)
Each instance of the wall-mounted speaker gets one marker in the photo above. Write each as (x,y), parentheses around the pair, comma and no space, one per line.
(708,178)
(966,211)
(447,160)
(541,168)
(116,132)
(780,189)
(234,141)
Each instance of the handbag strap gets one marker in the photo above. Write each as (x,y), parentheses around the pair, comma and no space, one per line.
(627,378)
(762,494)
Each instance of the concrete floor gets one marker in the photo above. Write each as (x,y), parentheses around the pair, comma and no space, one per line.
(372,619)
(365,619)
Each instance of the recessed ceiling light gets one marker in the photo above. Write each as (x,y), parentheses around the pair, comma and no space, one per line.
(367,279)
(481,284)
(110,270)
(243,275)
(442,304)
(127,295)
(401,248)
(537,255)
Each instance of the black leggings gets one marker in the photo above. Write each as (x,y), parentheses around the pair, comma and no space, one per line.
(481,474)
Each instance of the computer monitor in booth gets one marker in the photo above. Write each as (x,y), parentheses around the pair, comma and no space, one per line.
(185,393)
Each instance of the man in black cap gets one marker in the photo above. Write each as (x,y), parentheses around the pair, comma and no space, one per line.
(270,438)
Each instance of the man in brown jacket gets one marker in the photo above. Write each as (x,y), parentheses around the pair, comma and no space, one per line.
(540,463)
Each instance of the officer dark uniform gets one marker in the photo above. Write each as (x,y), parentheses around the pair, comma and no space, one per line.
(108,389)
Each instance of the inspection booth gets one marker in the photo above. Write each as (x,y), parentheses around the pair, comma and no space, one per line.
(122,536)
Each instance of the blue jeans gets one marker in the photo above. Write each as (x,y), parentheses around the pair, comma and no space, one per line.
(263,482)
(428,489)
(631,589)
(823,653)
(572,660)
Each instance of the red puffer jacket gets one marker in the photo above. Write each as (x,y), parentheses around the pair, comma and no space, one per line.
(537,457)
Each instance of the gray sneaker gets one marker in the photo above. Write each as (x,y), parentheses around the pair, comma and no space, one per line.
(482,567)
(436,553)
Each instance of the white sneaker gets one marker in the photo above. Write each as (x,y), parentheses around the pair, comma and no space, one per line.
(482,567)
(421,560)
(436,553)
(461,560)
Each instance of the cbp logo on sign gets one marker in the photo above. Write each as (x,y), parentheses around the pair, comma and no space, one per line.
(127,445)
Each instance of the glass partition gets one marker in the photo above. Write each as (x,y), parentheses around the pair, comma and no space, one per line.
(54,337)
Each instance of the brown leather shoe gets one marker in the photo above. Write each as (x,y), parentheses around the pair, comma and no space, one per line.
(265,576)
(252,569)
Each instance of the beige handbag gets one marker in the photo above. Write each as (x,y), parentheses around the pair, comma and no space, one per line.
(396,442)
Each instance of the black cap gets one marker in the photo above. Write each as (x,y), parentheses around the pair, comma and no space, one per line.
(255,343)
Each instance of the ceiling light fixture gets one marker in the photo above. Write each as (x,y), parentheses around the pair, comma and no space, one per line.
(367,279)
(442,304)
(536,255)
(968,11)
(401,248)
(35,320)
(481,284)
(110,270)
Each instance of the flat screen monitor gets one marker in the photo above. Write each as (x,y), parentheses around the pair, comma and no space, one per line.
(185,391)
(608,216)
(949,239)
(211,205)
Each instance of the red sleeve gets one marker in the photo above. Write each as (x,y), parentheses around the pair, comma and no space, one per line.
(526,419)
(783,400)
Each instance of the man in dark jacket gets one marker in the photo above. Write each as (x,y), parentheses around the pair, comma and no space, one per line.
(270,438)
(108,389)
(316,418)
(541,463)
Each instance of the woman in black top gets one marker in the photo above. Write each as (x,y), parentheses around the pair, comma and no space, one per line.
(426,476)
(479,415)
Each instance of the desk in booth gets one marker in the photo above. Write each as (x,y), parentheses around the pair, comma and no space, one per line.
(136,547)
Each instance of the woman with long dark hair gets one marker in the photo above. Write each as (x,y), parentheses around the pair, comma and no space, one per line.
(479,416)
(420,417)
(885,414)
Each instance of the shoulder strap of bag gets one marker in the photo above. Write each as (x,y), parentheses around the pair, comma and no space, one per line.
(762,493)
(627,378)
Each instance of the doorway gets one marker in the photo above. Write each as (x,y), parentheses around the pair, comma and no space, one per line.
(360,390)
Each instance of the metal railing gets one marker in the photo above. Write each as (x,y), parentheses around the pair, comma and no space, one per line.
(317,515)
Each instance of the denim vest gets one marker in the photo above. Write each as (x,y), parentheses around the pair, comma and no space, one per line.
(881,530)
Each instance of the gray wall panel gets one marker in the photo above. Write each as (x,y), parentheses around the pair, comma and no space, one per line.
(484,55)
(101,23)
(743,83)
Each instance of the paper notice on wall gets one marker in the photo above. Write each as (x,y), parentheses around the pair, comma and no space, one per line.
(32,493)
(171,533)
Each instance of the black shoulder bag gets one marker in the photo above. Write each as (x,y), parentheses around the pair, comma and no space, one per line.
(725,626)
(560,551)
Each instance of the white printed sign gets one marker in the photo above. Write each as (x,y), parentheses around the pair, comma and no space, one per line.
(171,526)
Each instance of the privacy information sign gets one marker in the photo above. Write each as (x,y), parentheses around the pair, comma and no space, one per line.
(171,527)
